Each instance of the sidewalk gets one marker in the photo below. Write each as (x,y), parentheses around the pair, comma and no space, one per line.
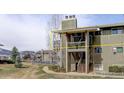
(46,69)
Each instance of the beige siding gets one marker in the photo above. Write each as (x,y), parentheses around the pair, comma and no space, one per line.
(107,57)
(63,50)
(69,24)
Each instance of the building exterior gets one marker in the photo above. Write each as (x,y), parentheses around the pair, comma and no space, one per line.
(5,57)
(90,49)
(27,55)
(45,57)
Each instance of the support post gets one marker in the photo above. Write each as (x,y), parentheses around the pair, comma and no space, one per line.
(61,64)
(69,62)
(66,50)
(87,52)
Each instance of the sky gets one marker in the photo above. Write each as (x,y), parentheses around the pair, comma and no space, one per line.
(26,32)
(30,31)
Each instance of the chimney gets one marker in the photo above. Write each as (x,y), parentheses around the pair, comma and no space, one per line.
(70,22)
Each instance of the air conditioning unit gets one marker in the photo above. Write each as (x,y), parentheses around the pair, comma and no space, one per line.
(114,50)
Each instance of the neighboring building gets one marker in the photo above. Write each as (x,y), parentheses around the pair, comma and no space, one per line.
(38,57)
(90,49)
(45,57)
(27,55)
(5,56)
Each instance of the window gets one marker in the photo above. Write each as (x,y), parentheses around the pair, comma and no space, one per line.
(120,31)
(114,31)
(119,49)
(106,32)
(98,50)
(98,33)
(117,31)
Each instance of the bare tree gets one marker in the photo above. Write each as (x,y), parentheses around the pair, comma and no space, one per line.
(56,21)
(53,23)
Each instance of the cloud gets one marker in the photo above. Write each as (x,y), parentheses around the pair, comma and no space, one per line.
(26,32)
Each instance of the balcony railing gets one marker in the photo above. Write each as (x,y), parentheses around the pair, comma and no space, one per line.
(76,45)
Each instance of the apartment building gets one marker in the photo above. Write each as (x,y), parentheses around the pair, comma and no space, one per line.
(90,49)
(45,57)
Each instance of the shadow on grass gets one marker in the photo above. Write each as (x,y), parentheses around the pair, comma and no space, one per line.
(23,66)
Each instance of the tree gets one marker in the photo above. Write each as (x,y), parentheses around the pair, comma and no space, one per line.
(53,23)
(14,54)
(16,57)
(18,63)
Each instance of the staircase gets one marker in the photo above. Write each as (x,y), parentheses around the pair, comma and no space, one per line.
(78,56)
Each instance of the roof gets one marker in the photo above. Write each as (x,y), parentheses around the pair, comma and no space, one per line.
(76,30)
(47,51)
(88,28)
(105,25)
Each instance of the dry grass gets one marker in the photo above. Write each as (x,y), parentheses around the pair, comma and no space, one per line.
(7,69)
(29,71)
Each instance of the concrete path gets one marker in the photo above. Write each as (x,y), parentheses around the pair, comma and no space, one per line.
(46,69)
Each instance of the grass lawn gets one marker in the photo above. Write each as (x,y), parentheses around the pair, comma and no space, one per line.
(7,69)
(33,71)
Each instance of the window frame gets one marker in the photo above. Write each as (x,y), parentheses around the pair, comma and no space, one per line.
(114,31)
(98,50)
(118,51)
(118,30)
(98,33)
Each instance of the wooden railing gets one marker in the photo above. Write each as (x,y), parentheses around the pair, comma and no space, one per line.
(76,45)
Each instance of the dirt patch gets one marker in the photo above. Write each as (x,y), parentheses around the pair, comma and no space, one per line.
(10,72)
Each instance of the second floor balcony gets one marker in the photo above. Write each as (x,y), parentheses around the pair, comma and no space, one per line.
(76,45)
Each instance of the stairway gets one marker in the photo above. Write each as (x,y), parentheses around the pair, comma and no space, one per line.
(78,57)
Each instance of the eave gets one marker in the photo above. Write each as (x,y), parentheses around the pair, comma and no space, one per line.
(78,30)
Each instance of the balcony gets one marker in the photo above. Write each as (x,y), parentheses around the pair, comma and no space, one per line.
(76,46)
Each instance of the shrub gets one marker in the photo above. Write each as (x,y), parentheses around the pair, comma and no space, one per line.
(10,62)
(54,68)
(116,68)
(0,69)
(18,65)
(122,68)
(62,70)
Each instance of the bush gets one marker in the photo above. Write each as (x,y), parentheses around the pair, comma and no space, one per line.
(116,68)
(62,70)
(10,62)
(54,68)
(18,65)
(0,69)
